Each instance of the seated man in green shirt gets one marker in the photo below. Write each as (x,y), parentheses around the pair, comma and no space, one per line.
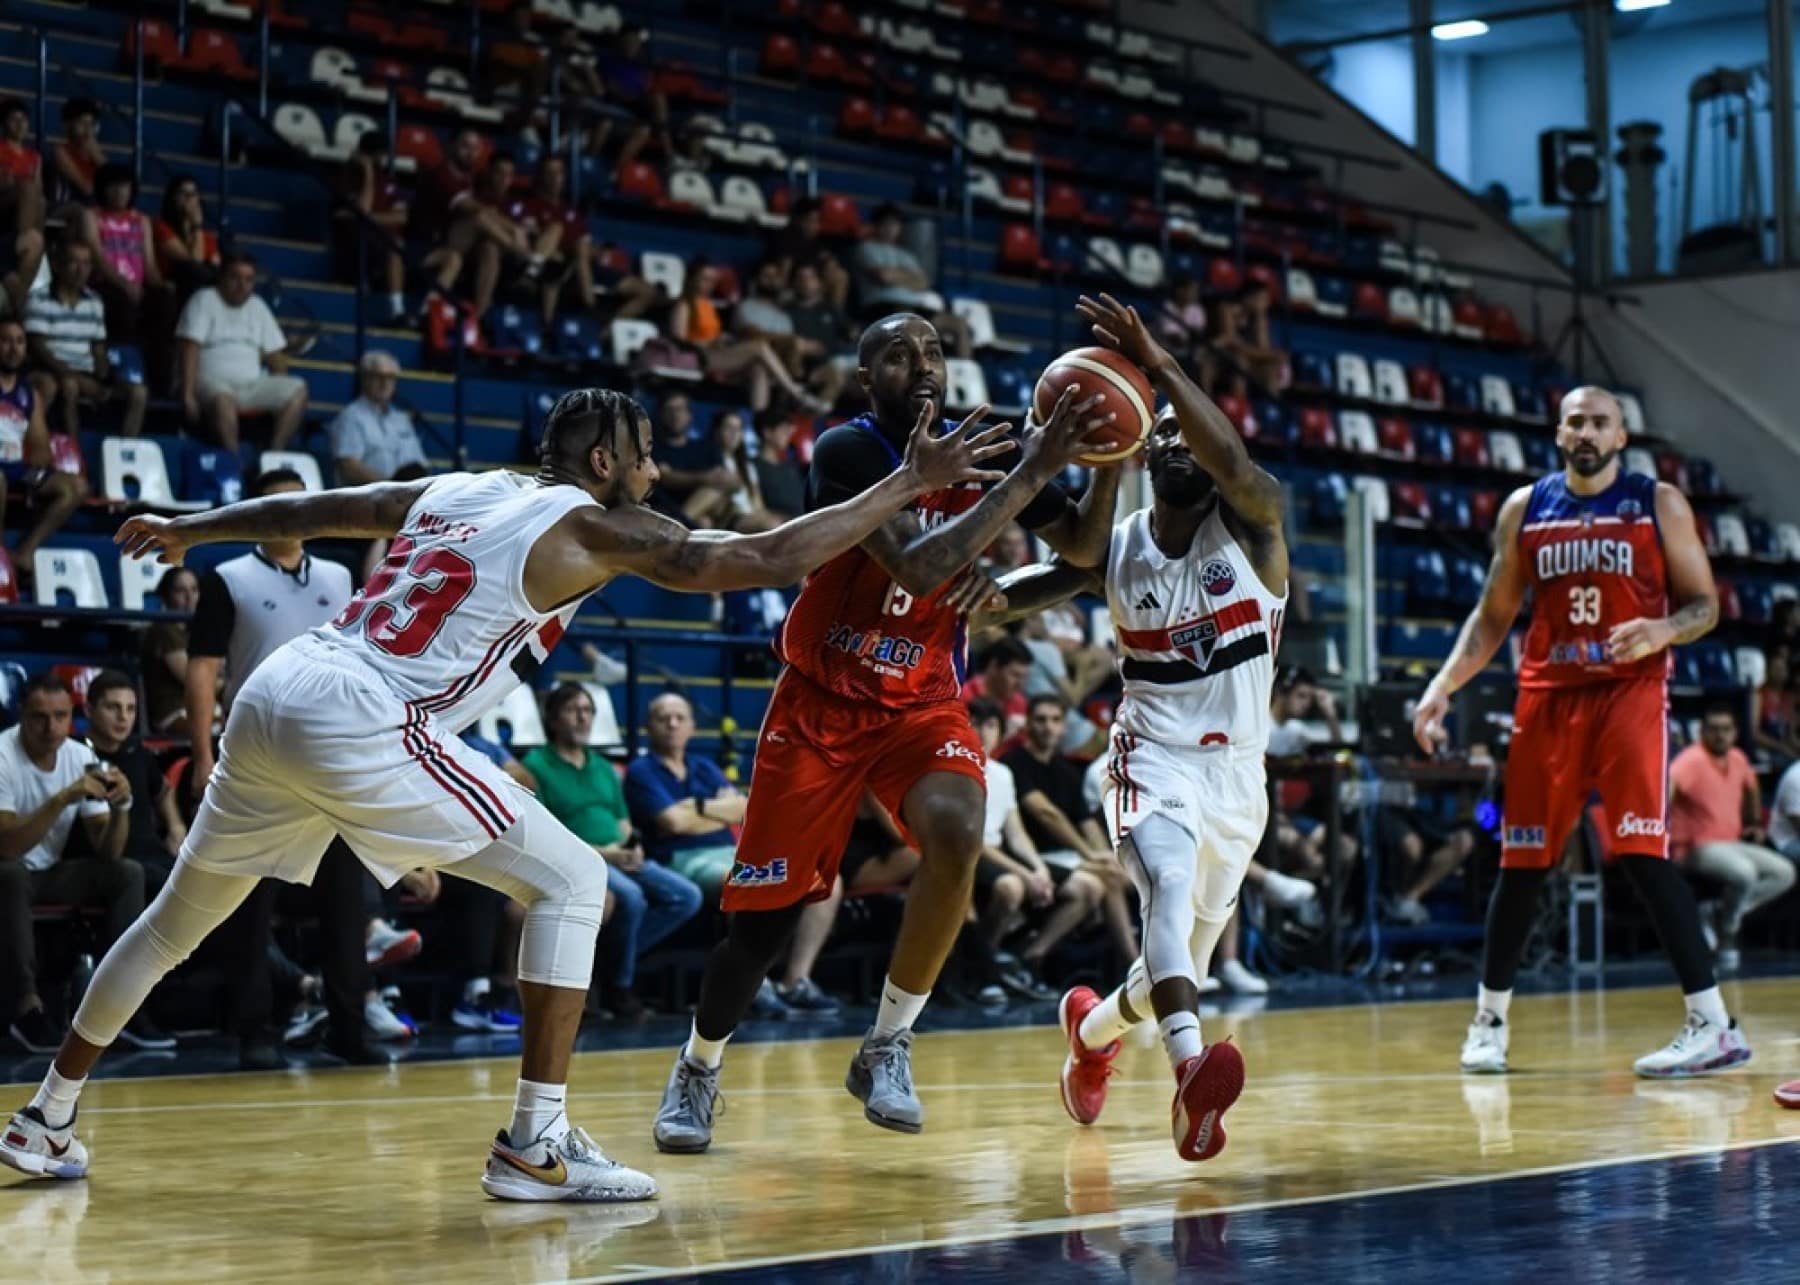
(581,789)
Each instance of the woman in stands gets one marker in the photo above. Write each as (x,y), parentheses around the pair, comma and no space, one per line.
(1240,338)
(164,653)
(187,254)
(124,250)
(694,320)
(1774,727)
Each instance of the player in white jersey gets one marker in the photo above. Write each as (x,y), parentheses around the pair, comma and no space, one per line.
(1197,585)
(351,729)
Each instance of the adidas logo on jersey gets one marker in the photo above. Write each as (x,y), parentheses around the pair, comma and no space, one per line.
(1147,603)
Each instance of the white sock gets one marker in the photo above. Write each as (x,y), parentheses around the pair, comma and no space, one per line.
(1180,1037)
(475,990)
(899,1010)
(1495,1002)
(1107,1020)
(397,301)
(1710,1004)
(708,1053)
(538,1112)
(55,1098)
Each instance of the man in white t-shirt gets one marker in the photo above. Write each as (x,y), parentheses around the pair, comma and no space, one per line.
(1784,814)
(234,359)
(47,780)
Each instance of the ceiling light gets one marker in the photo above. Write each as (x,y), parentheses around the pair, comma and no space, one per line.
(1628,6)
(1459,30)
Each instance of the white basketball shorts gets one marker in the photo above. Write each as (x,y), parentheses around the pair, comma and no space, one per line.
(318,745)
(1219,795)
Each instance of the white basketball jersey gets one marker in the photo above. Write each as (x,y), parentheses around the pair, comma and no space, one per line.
(1197,636)
(444,619)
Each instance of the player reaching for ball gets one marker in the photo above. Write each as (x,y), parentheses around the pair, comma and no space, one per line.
(874,654)
(1617,575)
(351,730)
(1197,585)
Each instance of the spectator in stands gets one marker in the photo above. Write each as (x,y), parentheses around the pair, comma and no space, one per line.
(372,439)
(581,789)
(1181,322)
(890,278)
(687,460)
(21,197)
(1242,341)
(1784,626)
(1424,853)
(367,182)
(625,72)
(25,463)
(1715,825)
(1011,549)
(48,780)
(500,240)
(164,653)
(694,320)
(234,359)
(156,828)
(1064,666)
(1067,834)
(187,253)
(1775,729)
(1784,814)
(562,235)
(760,315)
(778,474)
(517,67)
(819,320)
(78,158)
(681,803)
(802,248)
(1000,677)
(744,509)
(1012,880)
(445,223)
(1295,702)
(65,328)
(125,266)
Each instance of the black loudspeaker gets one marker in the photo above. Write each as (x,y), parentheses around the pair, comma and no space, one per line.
(1571,168)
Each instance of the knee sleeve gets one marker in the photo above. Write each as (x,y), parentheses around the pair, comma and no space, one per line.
(1161,858)
(192,903)
(560,881)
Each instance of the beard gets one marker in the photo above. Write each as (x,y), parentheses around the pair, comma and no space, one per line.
(1182,488)
(1589,465)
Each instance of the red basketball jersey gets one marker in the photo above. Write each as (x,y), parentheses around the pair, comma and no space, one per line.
(859,635)
(1593,562)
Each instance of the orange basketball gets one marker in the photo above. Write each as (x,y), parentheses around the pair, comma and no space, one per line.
(1129,398)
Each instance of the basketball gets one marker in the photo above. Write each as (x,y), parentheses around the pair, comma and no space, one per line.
(1127,392)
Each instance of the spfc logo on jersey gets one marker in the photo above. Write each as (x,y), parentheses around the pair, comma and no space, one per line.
(1196,641)
(1217,577)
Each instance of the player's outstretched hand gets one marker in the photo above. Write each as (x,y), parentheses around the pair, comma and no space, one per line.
(1428,719)
(974,590)
(1636,639)
(1119,327)
(148,534)
(937,462)
(1063,437)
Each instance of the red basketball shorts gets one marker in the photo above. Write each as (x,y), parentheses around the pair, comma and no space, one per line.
(816,755)
(1569,742)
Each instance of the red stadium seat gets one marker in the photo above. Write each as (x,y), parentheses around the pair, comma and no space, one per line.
(899,123)
(65,455)
(1471,448)
(161,48)
(1317,427)
(1062,201)
(1484,509)
(77,678)
(421,143)
(780,56)
(1269,276)
(1223,277)
(639,182)
(827,64)
(1019,248)
(833,19)
(1369,301)
(1396,437)
(373,25)
(856,117)
(1017,187)
(217,53)
(1063,69)
(9,578)
(838,216)
(1138,125)
(1177,137)
(1730,606)
(1470,324)
(1672,468)
(1237,410)
(1502,327)
(1426,385)
(1409,502)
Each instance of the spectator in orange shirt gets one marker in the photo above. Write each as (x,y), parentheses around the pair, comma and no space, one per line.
(187,253)
(694,320)
(1715,825)
(78,157)
(21,197)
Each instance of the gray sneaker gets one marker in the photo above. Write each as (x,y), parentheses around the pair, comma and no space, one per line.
(684,1121)
(881,1079)
(805,998)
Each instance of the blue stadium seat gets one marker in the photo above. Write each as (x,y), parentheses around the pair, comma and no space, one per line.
(1756,601)
(127,360)
(580,337)
(1702,476)
(1329,495)
(1273,419)
(1434,444)
(513,329)
(211,474)
(1715,665)
(1540,453)
(1430,582)
(1313,370)
(1467,576)
(1333,294)
(1528,401)
(1450,507)
(1762,538)
(1461,392)
(13,678)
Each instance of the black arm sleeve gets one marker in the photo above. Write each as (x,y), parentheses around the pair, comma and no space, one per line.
(209,633)
(846,462)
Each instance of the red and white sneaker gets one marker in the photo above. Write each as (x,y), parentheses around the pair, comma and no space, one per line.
(1205,1088)
(385,945)
(1788,1095)
(1085,1070)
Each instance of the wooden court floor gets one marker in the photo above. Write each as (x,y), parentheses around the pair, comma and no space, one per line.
(356,1175)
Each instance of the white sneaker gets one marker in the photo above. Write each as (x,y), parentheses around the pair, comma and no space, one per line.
(1210,984)
(1240,980)
(1405,910)
(1484,1048)
(570,1168)
(1700,1047)
(38,1151)
(382,1022)
(385,945)
(1287,892)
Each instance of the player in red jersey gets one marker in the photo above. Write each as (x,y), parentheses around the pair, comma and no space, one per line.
(874,653)
(1617,575)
